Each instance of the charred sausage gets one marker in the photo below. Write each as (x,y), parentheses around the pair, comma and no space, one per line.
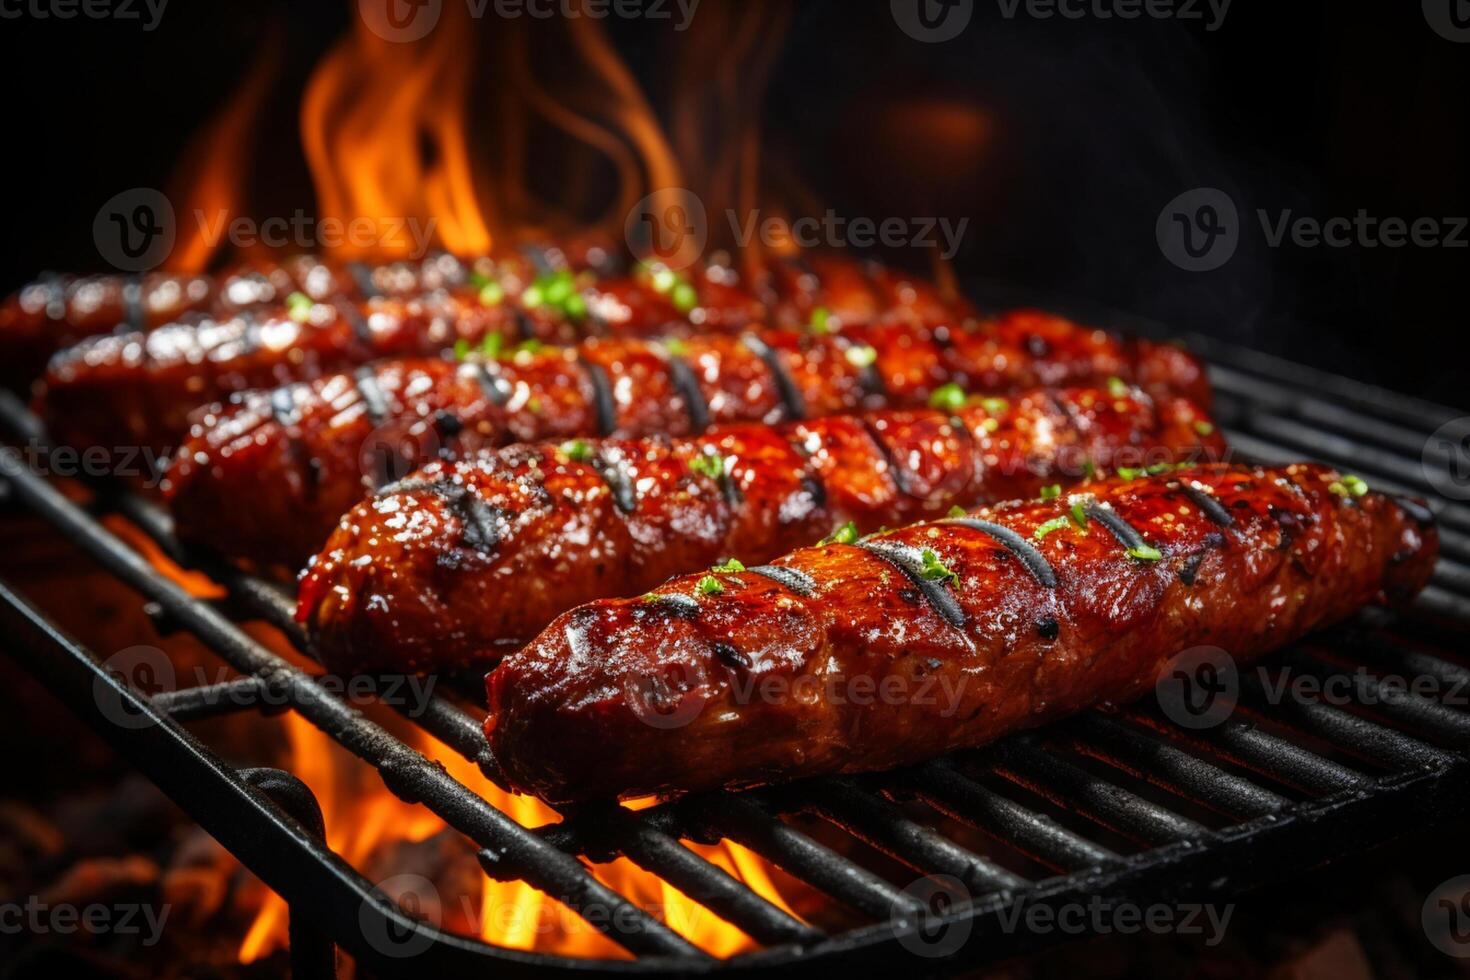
(287,464)
(464,560)
(1022,613)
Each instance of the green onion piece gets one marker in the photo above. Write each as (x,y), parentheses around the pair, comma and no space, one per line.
(298,307)
(492,294)
(1204,428)
(530,346)
(557,288)
(729,568)
(935,570)
(676,347)
(948,398)
(846,534)
(1128,473)
(1052,492)
(861,356)
(1117,388)
(1055,524)
(821,321)
(708,465)
(1145,552)
(1079,515)
(1355,484)
(480,280)
(461,349)
(664,278)
(1154,469)
(577,450)
(990,425)
(491,346)
(1089,471)
(575,307)
(684,297)
(709,585)
(957,511)
(533,297)
(994,405)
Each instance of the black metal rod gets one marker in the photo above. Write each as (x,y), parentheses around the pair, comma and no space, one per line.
(406,772)
(882,824)
(212,700)
(1110,805)
(1035,834)
(1149,757)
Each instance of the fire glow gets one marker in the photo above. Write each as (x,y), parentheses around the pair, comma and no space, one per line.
(406,134)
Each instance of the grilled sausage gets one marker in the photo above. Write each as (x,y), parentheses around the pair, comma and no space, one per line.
(466,559)
(968,628)
(287,464)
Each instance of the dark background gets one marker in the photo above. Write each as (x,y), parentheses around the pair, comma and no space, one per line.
(1092,126)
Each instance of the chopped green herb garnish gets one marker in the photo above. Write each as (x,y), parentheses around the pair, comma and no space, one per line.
(1145,552)
(729,568)
(709,585)
(664,278)
(676,347)
(530,346)
(577,450)
(683,297)
(575,307)
(948,398)
(1079,515)
(990,425)
(1055,524)
(846,534)
(821,321)
(1348,486)
(1052,492)
(492,294)
(298,307)
(1089,471)
(1128,473)
(533,296)
(957,511)
(1117,387)
(862,356)
(994,405)
(708,465)
(491,346)
(480,280)
(935,570)
(1154,469)
(461,349)
(1204,428)
(557,288)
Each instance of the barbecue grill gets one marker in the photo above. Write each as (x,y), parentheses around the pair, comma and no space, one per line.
(1125,806)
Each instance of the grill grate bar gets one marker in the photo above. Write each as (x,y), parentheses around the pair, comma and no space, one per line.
(1147,756)
(882,824)
(406,772)
(1035,834)
(1399,705)
(214,700)
(1066,785)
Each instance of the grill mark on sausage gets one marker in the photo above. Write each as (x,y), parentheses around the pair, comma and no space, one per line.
(1417,511)
(1034,560)
(283,410)
(358,323)
(602,396)
(362,275)
(478,520)
(491,382)
(55,284)
(371,394)
(799,582)
(912,567)
(1126,533)
(684,381)
(791,398)
(132,293)
(885,452)
(615,475)
(525,328)
(540,257)
(1208,505)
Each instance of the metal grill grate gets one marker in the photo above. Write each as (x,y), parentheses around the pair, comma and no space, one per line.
(1128,806)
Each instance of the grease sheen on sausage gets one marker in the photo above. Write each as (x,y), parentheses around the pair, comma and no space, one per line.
(465,559)
(681,690)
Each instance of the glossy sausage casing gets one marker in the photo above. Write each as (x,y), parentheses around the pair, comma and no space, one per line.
(465,559)
(956,632)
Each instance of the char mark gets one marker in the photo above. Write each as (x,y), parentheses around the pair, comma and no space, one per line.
(615,475)
(684,381)
(1034,560)
(371,394)
(791,398)
(497,390)
(602,396)
(900,475)
(912,566)
(799,582)
(362,276)
(1208,505)
(1126,533)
